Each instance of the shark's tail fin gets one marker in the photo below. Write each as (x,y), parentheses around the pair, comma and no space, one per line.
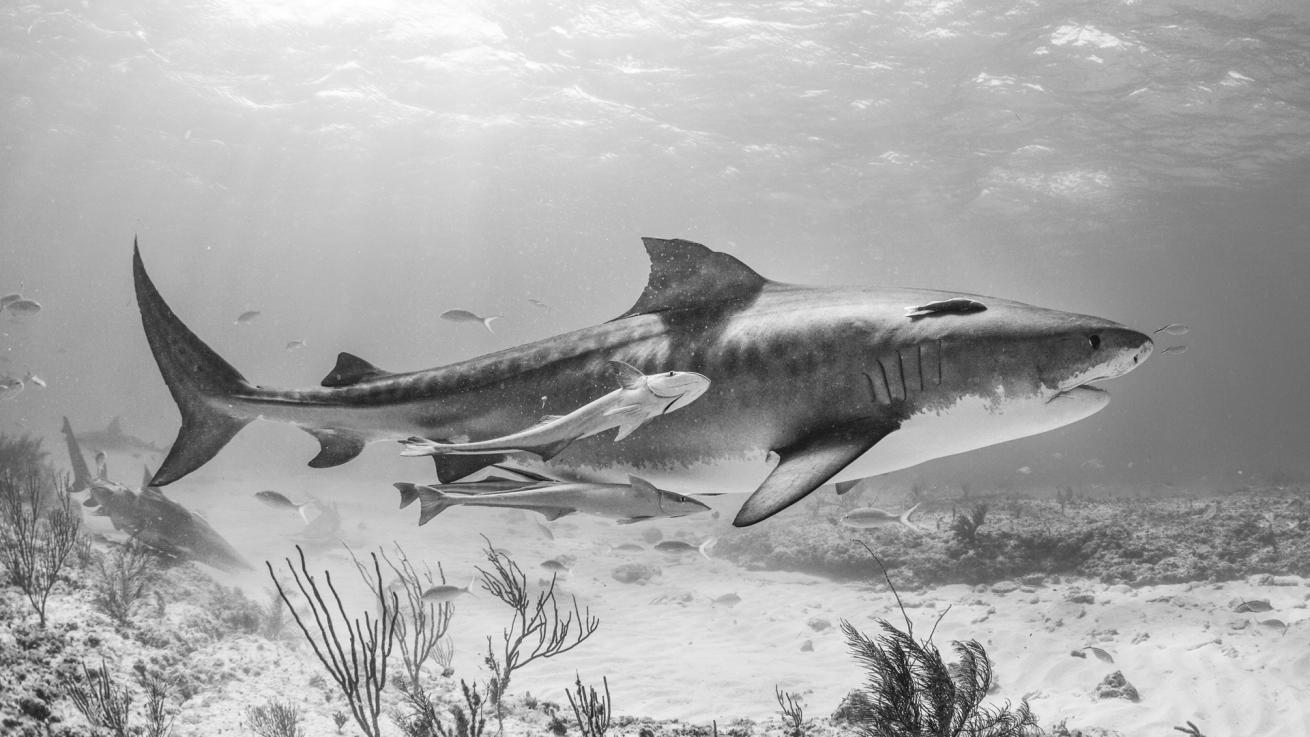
(905,518)
(81,472)
(486,322)
(201,382)
(432,501)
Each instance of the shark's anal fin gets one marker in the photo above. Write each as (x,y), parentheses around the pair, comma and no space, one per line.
(808,464)
(352,369)
(553,513)
(685,274)
(337,447)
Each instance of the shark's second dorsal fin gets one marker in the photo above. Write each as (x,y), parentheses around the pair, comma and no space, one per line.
(686,274)
(115,426)
(351,369)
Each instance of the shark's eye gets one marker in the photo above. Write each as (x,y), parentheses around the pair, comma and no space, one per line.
(1095,340)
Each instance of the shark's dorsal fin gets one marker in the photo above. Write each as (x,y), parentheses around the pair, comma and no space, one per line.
(351,369)
(686,274)
(642,485)
(115,426)
(627,375)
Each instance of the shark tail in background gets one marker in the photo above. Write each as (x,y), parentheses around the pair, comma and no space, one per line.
(905,518)
(432,502)
(201,382)
(81,472)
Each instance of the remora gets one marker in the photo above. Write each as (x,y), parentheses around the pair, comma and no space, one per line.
(810,384)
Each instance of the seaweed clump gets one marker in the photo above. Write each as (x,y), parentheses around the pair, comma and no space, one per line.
(911,690)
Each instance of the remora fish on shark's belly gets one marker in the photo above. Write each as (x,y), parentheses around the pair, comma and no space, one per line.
(832,383)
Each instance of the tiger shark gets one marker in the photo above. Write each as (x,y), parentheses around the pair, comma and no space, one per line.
(811,385)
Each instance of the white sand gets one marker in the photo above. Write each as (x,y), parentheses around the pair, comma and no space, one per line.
(670,653)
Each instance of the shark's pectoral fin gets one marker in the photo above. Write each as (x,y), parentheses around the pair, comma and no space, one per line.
(552,514)
(551,450)
(337,447)
(808,464)
(455,467)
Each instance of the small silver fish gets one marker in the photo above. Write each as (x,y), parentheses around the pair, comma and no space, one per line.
(1099,653)
(466,316)
(726,600)
(1253,606)
(868,518)
(1173,328)
(556,566)
(444,594)
(1175,350)
(246,317)
(295,345)
(280,501)
(674,546)
(23,307)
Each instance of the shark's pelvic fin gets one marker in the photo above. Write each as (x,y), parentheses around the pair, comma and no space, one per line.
(337,447)
(686,274)
(808,464)
(352,369)
(455,467)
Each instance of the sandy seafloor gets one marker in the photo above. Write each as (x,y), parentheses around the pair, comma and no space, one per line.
(670,653)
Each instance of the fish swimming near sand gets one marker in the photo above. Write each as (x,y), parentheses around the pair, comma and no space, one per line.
(638,399)
(812,385)
(150,517)
(246,317)
(634,501)
(114,440)
(868,518)
(1100,654)
(466,316)
(1253,606)
(445,593)
(555,566)
(728,600)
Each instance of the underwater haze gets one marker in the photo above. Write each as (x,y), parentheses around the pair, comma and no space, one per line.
(351,170)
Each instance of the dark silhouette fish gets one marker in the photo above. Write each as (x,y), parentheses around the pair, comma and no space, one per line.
(811,385)
(466,316)
(1254,606)
(150,517)
(23,307)
(114,440)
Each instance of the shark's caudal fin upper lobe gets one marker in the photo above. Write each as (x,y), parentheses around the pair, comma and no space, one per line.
(81,472)
(198,378)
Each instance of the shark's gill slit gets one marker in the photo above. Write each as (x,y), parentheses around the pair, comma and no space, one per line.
(918,348)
